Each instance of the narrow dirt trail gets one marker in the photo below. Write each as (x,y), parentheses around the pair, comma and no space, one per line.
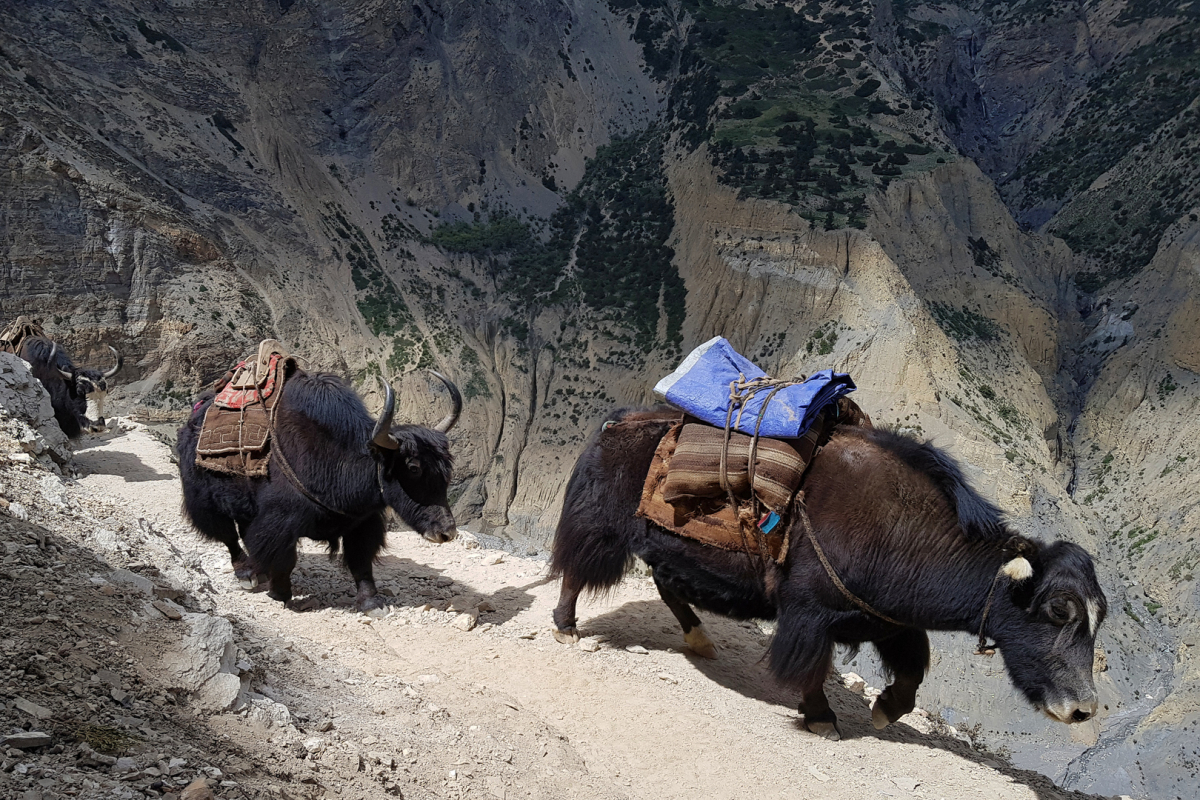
(503,710)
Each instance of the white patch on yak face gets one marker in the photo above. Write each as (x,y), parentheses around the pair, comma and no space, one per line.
(1093,612)
(95,405)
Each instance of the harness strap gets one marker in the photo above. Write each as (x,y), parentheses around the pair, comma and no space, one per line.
(294,480)
(812,537)
(982,647)
(290,474)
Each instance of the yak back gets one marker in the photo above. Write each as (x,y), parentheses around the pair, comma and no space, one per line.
(978,518)
(325,399)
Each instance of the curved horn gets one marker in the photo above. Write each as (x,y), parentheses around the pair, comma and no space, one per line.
(382,435)
(120,361)
(448,421)
(50,360)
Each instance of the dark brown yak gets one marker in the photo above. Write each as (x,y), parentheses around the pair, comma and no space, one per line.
(904,532)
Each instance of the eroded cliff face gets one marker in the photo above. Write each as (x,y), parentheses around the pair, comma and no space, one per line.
(552,202)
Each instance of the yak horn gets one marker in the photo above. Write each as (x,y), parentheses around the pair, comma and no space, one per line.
(382,435)
(50,360)
(120,361)
(448,421)
(1019,569)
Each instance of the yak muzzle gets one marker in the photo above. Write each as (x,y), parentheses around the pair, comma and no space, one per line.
(1071,711)
(441,537)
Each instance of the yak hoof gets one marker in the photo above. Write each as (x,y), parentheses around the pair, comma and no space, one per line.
(879,717)
(249,583)
(568,636)
(699,643)
(829,730)
(373,603)
(280,595)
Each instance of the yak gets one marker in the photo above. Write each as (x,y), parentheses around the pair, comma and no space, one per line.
(77,394)
(900,527)
(345,470)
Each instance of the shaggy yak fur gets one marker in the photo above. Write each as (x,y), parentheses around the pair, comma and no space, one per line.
(332,443)
(74,391)
(904,532)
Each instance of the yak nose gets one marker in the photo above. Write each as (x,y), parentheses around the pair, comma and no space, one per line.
(442,536)
(1085,710)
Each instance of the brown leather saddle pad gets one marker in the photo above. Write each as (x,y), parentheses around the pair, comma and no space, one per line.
(235,437)
(683,495)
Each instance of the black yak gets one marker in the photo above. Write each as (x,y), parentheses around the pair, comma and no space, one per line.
(902,530)
(349,468)
(76,393)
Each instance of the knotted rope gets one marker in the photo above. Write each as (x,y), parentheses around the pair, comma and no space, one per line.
(741,392)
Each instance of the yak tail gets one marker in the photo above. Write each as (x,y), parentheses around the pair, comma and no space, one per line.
(593,543)
(591,549)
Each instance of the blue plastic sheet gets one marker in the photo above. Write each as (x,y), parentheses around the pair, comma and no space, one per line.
(700,386)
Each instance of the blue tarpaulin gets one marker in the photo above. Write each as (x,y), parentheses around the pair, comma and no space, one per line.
(700,386)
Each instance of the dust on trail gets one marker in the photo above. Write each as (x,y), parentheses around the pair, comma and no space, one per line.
(413,705)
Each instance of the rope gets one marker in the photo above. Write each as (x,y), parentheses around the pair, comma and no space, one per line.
(982,648)
(741,392)
(812,537)
(290,474)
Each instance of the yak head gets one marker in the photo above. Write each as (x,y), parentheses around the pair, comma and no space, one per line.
(84,384)
(1046,624)
(414,465)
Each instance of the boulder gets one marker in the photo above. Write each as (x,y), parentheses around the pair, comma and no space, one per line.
(25,402)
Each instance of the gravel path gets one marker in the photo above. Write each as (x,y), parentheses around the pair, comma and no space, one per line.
(427,702)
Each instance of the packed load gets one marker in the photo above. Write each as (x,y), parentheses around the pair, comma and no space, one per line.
(235,437)
(17,331)
(729,471)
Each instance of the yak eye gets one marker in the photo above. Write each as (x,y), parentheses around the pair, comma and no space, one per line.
(1060,610)
(413,466)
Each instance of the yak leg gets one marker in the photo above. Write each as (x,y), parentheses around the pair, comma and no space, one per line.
(819,718)
(906,656)
(564,614)
(281,575)
(216,525)
(693,629)
(272,545)
(359,548)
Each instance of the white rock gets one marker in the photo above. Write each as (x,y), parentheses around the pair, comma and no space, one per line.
(19,511)
(219,693)
(268,713)
(466,621)
(854,682)
(468,540)
(589,645)
(314,745)
(637,650)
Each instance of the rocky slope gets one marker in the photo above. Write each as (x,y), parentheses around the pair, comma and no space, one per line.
(985,211)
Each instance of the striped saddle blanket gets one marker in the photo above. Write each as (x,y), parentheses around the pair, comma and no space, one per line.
(683,491)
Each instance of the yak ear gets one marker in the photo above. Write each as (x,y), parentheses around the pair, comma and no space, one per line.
(1018,569)
(1021,565)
